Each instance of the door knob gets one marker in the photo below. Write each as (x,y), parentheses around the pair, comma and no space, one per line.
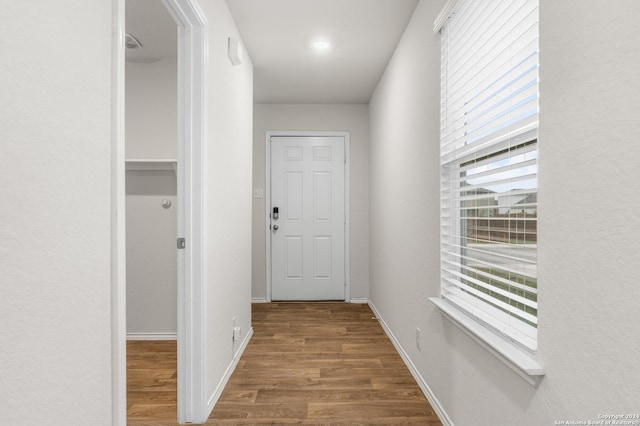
(275,227)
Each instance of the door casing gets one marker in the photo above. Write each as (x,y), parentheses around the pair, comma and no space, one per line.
(347,197)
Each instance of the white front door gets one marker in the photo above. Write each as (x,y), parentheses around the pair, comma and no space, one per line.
(307,218)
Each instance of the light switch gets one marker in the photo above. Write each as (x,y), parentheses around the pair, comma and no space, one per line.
(258,193)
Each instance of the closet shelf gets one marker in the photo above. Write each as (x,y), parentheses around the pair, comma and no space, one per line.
(152,164)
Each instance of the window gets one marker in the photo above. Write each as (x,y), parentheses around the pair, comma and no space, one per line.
(489,164)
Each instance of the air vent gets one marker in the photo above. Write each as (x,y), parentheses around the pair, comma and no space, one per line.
(131,42)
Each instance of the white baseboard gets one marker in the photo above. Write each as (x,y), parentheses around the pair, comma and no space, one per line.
(227,374)
(444,418)
(152,336)
(361,300)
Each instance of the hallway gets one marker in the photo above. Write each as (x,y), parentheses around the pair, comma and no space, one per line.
(316,363)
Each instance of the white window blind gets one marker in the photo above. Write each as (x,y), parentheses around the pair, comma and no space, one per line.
(489,164)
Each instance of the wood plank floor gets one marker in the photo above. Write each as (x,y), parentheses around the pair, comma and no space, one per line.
(151,381)
(307,363)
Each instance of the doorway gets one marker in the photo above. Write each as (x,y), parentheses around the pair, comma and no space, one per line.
(307,204)
(189,169)
(151,151)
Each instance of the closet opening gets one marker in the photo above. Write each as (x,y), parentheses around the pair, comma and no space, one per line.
(150,161)
(151,200)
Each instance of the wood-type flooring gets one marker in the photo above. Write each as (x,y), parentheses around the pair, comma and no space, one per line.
(151,382)
(307,363)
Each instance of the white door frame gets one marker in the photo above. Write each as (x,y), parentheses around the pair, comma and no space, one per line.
(347,198)
(118,220)
(191,172)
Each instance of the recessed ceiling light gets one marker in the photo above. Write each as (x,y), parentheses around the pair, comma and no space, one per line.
(321,45)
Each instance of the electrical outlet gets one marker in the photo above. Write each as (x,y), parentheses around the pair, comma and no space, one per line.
(418,339)
(233,327)
(237,333)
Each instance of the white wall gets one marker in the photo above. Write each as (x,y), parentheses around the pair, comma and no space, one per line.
(151,254)
(151,110)
(588,316)
(229,159)
(151,133)
(588,252)
(55,221)
(352,118)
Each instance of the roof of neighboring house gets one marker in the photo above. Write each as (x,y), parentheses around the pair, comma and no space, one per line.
(529,199)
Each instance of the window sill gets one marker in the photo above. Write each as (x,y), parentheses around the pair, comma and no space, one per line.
(518,360)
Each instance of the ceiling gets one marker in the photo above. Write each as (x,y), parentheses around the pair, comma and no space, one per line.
(277,35)
(150,23)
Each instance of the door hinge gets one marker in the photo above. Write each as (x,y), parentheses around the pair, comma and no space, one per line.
(181,243)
